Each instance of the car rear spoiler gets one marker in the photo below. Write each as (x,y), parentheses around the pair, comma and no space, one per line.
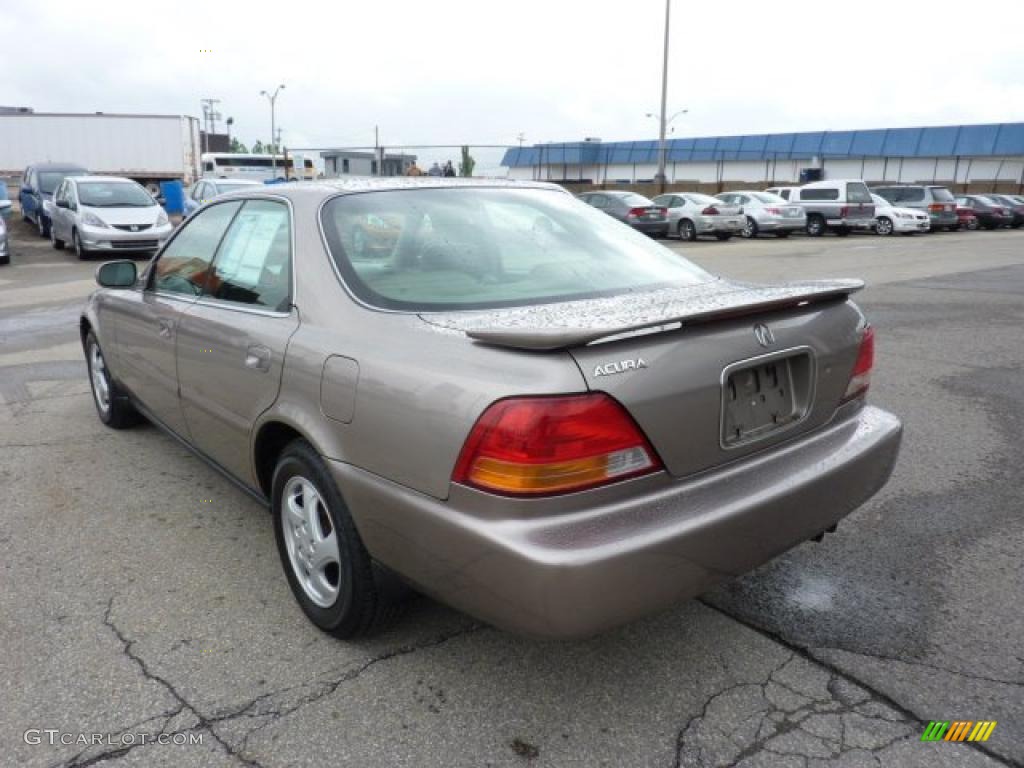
(546,327)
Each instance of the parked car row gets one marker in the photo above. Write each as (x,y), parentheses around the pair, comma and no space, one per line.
(90,213)
(840,206)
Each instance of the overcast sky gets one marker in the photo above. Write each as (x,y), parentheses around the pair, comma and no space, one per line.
(455,72)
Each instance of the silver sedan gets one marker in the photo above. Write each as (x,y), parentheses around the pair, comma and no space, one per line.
(767,212)
(691,214)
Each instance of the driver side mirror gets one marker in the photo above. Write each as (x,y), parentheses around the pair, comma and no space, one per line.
(116,274)
(63,204)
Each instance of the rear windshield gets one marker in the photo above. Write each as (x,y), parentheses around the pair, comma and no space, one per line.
(477,248)
(634,201)
(703,199)
(942,194)
(767,197)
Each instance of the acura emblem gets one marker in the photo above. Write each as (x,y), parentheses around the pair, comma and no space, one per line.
(764,335)
(135,227)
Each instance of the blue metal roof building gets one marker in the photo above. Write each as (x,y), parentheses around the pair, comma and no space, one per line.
(966,141)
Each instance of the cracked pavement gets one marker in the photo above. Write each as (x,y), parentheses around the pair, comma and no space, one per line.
(130,606)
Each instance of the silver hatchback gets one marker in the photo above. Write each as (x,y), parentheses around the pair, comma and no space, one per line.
(106,213)
(520,406)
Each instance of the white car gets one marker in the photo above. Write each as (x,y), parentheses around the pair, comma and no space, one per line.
(106,213)
(906,221)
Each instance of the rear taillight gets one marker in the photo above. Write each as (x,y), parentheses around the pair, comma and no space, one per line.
(936,207)
(844,212)
(663,211)
(710,211)
(529,446)
(773,211)
(636,212)
(860,379)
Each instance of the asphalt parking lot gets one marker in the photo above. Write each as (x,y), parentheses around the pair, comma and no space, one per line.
(142,593)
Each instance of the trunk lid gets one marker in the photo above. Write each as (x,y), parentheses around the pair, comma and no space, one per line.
(694,366)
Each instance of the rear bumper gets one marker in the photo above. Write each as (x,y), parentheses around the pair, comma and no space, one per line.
(597,565)
(650,227)
(943,219)
(782,224)
(708,225)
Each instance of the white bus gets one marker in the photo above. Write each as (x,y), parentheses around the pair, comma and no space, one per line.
(228,165)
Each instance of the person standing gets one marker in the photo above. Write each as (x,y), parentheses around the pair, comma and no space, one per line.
(413,170)
(449,169)
(435,170)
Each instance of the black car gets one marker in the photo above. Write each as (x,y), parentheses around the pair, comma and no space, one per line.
(990,213)
(630,208)
(38,184)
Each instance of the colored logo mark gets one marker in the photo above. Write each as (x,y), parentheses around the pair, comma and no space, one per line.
(958,730)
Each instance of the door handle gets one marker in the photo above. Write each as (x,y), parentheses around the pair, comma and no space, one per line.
(166,327)
(257,357)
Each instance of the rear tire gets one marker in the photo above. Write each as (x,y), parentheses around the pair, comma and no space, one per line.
(972,224)
(41,226)
(815,225)
(339,588)
(750,228)
(687,231)
(112,404)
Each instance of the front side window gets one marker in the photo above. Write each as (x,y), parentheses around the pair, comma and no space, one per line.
(184,263)
(477,248)
(113,194)
(253,264)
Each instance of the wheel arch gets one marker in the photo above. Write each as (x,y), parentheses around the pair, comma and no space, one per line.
(271,438)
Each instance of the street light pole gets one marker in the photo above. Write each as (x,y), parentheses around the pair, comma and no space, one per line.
(272,98)
(660,176)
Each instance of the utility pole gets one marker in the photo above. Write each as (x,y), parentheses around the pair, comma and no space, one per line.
(660,176)
(272,98)
(521,137)
(210,118)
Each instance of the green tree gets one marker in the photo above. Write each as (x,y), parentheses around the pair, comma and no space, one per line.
(257,148)
(238,147)
(467,164)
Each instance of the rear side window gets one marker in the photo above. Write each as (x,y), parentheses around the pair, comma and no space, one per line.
(911,194)
(634,201)
(941,194)
(857,192)
(253,264)
(820,193)
(474,248)
(184,263)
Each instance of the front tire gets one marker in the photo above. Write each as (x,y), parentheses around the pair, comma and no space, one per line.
(883,226)
(112,405)
(328,568)
(687,230)
(76,243)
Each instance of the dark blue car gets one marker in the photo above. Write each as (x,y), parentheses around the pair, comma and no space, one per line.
(37,187)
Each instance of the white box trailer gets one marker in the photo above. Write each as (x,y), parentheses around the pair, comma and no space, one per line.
(147,148)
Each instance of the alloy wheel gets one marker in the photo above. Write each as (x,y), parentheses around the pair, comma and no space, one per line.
(100,379)
(311,541)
